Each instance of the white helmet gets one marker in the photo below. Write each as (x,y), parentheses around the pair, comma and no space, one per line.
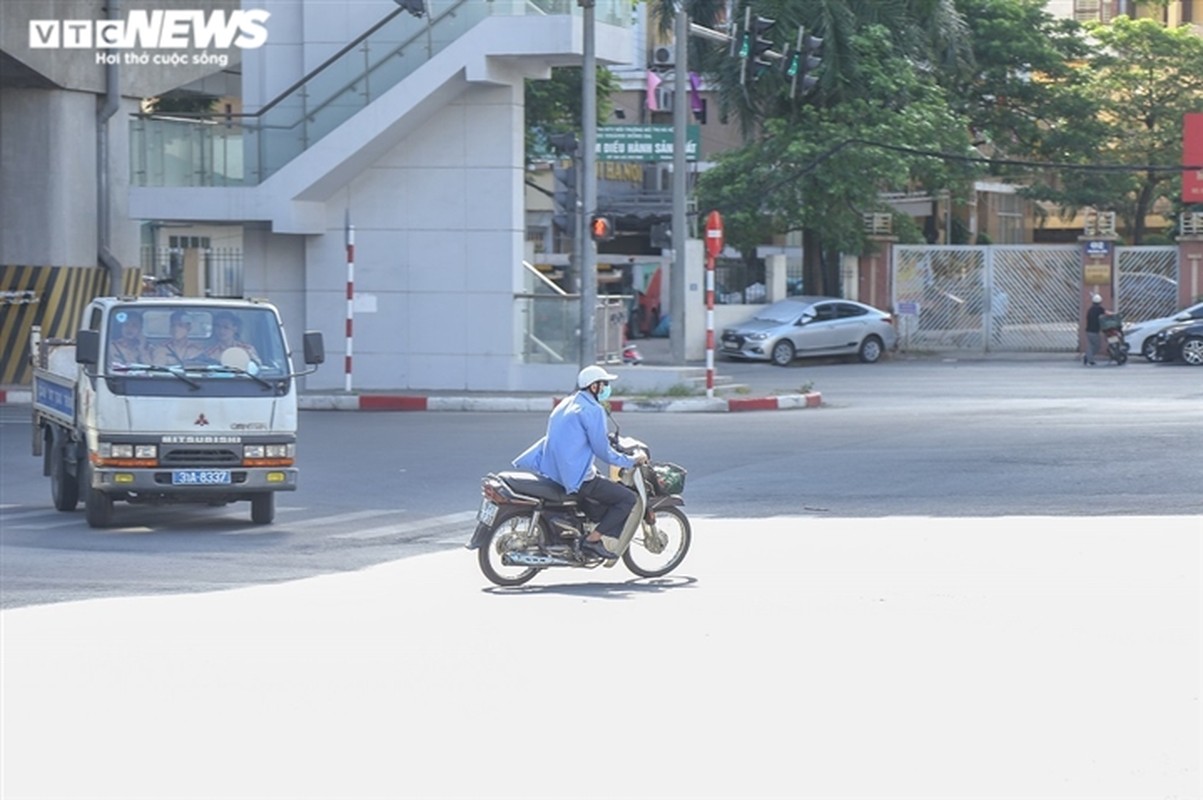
(592,374)
(1098,298)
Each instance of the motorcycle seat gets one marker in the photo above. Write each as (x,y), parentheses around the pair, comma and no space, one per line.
(534,485)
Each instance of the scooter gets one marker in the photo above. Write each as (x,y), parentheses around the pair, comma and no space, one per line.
(1112,328)
(528,523)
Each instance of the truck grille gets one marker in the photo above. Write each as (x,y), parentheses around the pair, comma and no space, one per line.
(201,457)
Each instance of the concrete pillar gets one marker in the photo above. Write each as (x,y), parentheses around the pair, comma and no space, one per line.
(774,277)
(875,278)
(1098,277)
(194,273)
(1190,270)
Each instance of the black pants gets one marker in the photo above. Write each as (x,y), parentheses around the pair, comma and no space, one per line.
(615,501)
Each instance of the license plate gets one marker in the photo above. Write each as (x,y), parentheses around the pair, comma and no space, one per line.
(730,345)
(200,477)
(488,512)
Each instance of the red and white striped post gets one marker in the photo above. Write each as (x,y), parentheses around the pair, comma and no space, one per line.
(714,246)
(350,230)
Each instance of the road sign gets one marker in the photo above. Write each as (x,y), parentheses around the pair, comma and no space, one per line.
(714,234)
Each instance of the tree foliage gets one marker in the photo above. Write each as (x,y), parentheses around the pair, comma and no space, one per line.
(554,106)
(1140,79)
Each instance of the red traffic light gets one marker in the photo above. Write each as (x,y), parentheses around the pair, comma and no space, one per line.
(601,228)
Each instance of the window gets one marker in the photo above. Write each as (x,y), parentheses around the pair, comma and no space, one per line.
(824,313)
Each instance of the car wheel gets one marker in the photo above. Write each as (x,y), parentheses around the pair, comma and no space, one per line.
(1192,350)
(782,353)
(1149,350)
(870,349)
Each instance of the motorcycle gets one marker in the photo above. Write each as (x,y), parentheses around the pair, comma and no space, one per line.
(1112,328)
(528,523)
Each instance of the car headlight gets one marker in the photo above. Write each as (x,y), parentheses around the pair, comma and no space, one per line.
(757,336)
(268,450)
(110,450)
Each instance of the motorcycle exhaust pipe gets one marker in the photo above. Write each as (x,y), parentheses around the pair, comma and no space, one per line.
(534,560)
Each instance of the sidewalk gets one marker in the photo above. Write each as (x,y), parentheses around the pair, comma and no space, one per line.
(656,352)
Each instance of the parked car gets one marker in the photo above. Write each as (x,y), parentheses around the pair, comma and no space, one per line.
(1142,336)
(1182,342)
(811,326)
(1146,294)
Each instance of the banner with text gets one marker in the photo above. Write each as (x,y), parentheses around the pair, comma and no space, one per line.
(643,142)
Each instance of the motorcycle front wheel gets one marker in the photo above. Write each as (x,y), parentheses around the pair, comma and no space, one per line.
(659,551)
(511,533)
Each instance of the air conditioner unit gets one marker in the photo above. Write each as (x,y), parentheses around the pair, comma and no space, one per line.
(665,97)
(663,55)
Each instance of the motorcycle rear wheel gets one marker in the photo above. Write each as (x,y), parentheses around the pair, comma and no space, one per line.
(511,532)
(650,557)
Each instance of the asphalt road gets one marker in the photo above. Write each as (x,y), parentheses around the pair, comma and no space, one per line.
(917,439)
(954,580)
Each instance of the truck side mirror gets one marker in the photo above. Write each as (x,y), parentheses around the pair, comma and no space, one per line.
(315,347)
(87,347)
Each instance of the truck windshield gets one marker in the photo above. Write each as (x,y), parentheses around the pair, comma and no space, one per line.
(203,342)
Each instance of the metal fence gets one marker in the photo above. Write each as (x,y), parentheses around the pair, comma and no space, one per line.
(221,271)
(1016,298)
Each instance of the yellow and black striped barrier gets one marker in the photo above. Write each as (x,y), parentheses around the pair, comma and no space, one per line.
(52,297)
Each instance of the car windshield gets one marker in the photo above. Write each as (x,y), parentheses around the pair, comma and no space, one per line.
(780,312)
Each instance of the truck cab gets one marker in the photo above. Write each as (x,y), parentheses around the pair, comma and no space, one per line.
(170,400)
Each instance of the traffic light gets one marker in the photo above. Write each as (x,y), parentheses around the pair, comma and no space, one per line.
(754,45)
(761,43)
(601,228)
(801,63)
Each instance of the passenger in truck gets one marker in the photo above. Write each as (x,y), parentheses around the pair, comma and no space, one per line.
(179,349)
(130,347)
(226,329)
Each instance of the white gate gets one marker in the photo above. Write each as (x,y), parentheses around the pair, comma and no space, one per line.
(1015,298)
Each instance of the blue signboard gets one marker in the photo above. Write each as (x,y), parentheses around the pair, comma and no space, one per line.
(55,397)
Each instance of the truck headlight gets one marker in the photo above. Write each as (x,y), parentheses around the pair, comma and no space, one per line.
(146,451)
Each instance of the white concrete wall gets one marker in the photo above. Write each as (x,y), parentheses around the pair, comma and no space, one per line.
(48,209)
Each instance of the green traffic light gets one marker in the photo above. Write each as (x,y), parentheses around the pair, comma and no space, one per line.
(792,69)
(745,45)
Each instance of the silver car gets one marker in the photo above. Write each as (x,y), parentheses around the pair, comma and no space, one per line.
(811,326)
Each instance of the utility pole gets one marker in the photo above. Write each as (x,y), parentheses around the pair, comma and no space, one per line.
(588,186)
(676,330)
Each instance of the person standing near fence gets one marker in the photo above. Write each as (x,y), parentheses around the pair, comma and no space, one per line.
(1094,335)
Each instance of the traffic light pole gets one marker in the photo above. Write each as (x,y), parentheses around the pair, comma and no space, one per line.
(676,328)
(588,186)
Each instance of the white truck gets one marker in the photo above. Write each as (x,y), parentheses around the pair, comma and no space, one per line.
(169,400)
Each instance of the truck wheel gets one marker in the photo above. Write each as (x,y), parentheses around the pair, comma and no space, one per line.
(263,508)
(98,506)
(64,487)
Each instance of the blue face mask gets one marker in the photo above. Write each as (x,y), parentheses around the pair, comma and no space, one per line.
(604,394)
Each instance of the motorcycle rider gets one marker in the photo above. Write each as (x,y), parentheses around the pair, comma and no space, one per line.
(576,432)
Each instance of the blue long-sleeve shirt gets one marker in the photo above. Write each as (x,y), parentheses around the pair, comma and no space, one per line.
(576,432)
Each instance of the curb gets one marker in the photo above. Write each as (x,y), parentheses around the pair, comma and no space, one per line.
(16,397)
(384,402)
(391,402)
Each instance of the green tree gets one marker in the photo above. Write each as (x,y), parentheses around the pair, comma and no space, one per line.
(809,171)
(554,106)
(1142,78)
